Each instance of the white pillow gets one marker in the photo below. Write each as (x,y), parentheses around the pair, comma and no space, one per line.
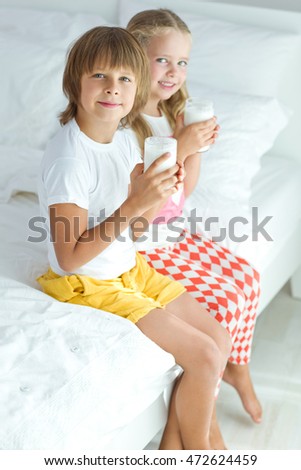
(249,127)
(54,28)
(235,57)
(245,59)
(33,46)
(19,168)
(30,92)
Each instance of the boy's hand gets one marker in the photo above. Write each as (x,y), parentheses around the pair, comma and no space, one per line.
(138,170)
(151,188)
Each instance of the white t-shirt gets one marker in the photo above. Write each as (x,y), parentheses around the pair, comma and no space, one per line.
(159,125)
(76,169)
(162,234)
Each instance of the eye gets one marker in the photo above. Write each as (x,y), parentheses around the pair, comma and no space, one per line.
(161,60)
(183,63)
(98,75)
(125,79)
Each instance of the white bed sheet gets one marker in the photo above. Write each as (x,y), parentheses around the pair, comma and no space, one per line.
(276,192)
(62,364)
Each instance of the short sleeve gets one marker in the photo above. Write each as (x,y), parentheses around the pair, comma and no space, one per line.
(67,181)
(135,153)
(134,150)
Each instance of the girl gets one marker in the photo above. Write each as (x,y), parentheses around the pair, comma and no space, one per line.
(93,261)
(226,286)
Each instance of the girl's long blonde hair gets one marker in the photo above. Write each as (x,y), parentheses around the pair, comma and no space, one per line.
(110,47)
(144,26)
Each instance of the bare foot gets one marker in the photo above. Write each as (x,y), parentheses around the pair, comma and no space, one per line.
(215,435)
(239,377)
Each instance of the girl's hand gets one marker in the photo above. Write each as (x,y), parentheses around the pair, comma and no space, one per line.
(194,136)
(151,188)
(180,174)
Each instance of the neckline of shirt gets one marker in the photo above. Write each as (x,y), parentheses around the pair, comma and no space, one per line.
(89,141)
(154,118)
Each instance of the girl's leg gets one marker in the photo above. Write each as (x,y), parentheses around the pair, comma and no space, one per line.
(196,351)
(222,262)
(171,438)
(216,438)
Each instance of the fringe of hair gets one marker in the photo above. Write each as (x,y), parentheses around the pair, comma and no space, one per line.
(109,47)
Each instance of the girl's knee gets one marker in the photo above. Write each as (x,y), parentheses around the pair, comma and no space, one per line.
(240,298)
(251,280)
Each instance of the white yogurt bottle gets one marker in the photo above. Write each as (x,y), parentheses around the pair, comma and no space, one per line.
(155,146)
(198,110)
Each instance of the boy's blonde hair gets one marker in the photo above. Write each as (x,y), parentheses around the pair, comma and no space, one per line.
(144,26)
(110,47)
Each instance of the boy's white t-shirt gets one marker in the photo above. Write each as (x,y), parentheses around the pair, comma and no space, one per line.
(76,169)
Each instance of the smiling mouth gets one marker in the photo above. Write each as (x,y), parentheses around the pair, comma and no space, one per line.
(166,84)
(108,104)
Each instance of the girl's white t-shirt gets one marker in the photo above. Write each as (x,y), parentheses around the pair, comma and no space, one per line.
(76,169)
(159,125)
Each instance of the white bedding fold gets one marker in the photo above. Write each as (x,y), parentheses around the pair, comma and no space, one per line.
(62,362)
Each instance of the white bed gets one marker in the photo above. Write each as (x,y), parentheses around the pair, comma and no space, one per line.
(72,377)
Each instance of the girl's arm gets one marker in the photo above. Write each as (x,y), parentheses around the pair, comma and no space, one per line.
(192,168)
(191,138)
(76,245)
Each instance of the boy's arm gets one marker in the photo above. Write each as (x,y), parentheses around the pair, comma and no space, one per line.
(140,224)
(76,245)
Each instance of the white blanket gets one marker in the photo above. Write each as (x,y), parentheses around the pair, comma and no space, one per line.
(62,363)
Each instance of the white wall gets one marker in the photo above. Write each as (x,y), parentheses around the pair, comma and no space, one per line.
(108,8)
(289,5)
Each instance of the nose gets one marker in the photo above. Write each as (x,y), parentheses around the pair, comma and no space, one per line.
(112,87)
(171,70)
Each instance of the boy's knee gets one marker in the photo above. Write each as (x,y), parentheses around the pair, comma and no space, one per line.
(205,356)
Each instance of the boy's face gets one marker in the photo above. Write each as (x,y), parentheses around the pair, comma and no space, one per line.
(107,96)
(168,55)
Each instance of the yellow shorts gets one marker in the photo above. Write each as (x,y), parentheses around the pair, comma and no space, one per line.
(132,295)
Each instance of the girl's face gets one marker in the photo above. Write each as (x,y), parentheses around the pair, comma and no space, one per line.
(168,55)
(107,96)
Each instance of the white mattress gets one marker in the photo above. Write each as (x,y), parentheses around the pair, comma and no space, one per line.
(64,369)
(276,192)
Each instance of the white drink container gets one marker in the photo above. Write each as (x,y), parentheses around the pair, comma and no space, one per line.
(154,147)
(198,110)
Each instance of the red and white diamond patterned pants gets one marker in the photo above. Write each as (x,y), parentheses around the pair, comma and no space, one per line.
(227,286)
